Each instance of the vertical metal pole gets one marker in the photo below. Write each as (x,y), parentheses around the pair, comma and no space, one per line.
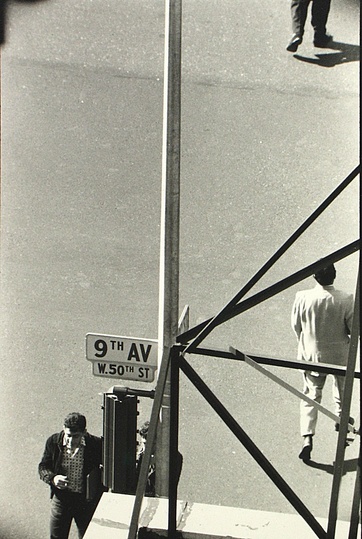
(174,464)
(356,503)
(170,223)
(346,405)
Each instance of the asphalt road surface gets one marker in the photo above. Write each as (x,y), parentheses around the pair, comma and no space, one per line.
(266,137)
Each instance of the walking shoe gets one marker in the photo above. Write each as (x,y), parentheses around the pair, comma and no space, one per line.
(306,451)
(350,421)
(322,41)
(294,43)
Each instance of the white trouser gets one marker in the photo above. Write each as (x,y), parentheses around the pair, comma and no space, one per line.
(313,388)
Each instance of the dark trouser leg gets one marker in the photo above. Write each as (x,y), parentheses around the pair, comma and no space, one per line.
(60,519)
(299,11)
(83,515)
(320,12)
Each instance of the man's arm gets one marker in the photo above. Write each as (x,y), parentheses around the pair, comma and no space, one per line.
(295,317)
(46,465)
(349,313)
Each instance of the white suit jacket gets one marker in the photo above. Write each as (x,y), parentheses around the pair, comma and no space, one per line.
(322,321)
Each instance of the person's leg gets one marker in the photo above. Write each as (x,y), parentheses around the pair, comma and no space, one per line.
(83,516)
(312,388)
(299,11)
(338,388)
(60,519)
(320,12)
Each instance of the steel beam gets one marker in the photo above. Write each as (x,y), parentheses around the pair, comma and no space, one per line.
(249,445)
(216,320)
(346,405)
(231,311)
(326,368)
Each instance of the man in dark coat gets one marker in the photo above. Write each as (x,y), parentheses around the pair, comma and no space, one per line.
(71,466)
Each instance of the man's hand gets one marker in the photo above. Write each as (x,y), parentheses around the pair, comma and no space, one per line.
(60,481)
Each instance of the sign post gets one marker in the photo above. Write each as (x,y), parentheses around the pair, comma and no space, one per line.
(170,223)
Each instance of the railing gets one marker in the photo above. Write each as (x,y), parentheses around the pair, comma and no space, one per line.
(189,342)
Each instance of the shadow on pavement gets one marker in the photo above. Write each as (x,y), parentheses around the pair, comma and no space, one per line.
(349,466)
(344,54)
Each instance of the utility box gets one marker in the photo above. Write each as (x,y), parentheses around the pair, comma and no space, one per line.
(119,443)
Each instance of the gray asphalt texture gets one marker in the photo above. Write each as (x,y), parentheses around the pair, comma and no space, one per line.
(266,136)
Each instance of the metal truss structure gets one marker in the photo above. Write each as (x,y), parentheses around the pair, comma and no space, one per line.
(190,342)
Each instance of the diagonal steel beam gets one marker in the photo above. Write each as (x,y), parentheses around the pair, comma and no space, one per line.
(151,439)
(298,364)
(216,320)
(288,387)
(251,447)
(265,294)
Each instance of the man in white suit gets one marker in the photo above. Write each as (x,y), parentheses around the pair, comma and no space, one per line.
(322,321)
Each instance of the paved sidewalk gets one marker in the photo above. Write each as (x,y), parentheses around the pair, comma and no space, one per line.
(113,514)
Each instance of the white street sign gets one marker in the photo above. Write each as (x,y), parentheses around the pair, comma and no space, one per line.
(124,372)
(128,358)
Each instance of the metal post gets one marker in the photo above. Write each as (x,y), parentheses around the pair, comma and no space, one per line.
(151,437)
(174,425)
(356,503)
(346,404)
(170,222)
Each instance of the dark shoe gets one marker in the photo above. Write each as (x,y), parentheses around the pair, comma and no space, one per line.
(322,41)
(350,421)
(294,43)
(306,451)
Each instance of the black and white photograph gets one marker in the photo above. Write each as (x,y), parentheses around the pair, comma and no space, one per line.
(179,310)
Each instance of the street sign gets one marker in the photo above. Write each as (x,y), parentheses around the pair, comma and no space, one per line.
(124,372)
(127,358)
(129,350)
